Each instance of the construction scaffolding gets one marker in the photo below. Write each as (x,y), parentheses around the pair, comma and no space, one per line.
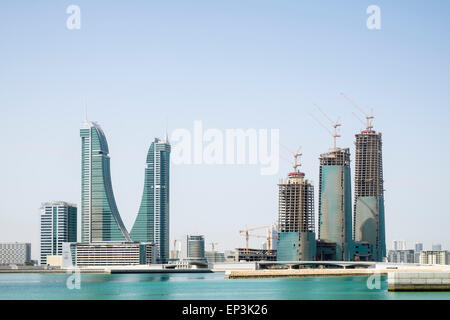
(368,210)
(296,204)
(368,164)
(335,157)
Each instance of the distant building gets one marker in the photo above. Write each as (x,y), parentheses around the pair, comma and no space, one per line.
(399,245)
(15,253)
(401,256)
(436,247)
(230,256)
(241,254)
(152,221)
(193,248)
(217,257)
(58,225)
(418,246)
(110,253)
(174,255)
(434,257)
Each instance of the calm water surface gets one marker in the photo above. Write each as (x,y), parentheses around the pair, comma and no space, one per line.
(196,286)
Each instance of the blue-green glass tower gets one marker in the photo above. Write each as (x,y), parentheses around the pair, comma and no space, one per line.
(100,218)
(152,221)
(335,202)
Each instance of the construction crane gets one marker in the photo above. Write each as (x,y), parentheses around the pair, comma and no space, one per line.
(296,155)
(213,251)
(269,236)
(335,134)
(175,255)
(245,231)
(297,164)
(357,117)
(369,117)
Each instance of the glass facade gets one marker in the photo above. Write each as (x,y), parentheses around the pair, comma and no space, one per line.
(58,225)
(152,221)
(100,218)
(335,203)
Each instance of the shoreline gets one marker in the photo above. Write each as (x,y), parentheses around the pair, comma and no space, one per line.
(301,273)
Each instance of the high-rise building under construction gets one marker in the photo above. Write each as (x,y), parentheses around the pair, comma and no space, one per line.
(368,219)
(296,218)
(369,199)
(335,202)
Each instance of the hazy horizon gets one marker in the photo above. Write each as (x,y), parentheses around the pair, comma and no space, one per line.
(232,65)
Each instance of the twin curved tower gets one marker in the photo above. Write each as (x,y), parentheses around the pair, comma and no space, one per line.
(100,218)
(152,221)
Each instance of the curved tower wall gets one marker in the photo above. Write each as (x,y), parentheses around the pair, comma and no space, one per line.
(152,221)
(100,218)
(335,203)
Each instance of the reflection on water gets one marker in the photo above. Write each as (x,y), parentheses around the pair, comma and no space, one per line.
(196,286)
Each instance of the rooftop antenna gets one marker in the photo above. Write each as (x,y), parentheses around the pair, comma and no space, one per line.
(167,125)
(369,117)
(335,134)
(86,110)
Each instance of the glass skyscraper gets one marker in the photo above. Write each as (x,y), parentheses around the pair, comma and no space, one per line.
(152,221)
(58,225)
(100,218)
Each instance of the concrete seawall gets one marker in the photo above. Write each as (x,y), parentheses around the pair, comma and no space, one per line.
(295,273)
(316,272)
(419,281)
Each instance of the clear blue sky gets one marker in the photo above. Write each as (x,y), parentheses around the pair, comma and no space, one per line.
(231,64)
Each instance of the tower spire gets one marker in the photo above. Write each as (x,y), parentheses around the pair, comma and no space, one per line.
(85,111)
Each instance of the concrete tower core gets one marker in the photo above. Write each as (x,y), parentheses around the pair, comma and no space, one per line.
(296,219)
(369,225)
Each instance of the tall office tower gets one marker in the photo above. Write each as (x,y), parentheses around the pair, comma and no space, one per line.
(58,225)
(369,193)
(152,221)
(297,240)
(100,218)
(335,202)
